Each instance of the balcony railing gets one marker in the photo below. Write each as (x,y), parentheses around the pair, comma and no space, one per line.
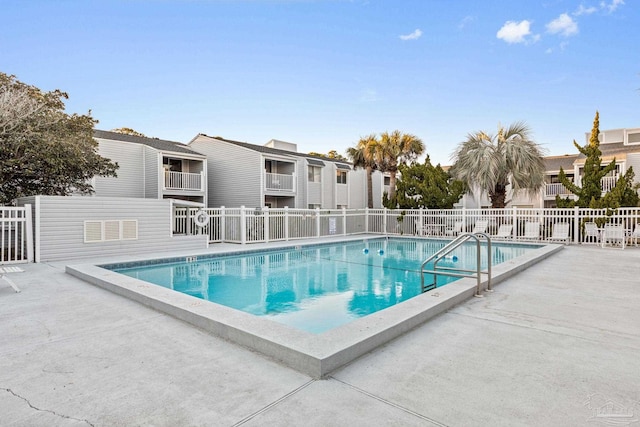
(183,181)
(551,190)
(555,189)
(278,182)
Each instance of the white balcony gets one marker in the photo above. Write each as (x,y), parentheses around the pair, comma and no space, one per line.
(551,190)
(278,182)
(183,181)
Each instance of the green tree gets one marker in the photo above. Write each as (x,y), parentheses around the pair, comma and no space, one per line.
(422,185)
(392,150)
(43,150)
(492,162)
(332,154)
(129,131)
(590,193)
(362,156)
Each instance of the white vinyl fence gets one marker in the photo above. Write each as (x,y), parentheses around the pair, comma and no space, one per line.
(16,235)
(249,225)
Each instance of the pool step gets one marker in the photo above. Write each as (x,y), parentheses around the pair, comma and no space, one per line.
(428,287)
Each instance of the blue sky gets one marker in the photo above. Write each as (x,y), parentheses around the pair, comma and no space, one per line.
(322,74)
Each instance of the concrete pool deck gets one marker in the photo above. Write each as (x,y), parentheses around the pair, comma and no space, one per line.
(557,344)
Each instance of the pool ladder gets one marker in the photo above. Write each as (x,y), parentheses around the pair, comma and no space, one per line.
(458,272)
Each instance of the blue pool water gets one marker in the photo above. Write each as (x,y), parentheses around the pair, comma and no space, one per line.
(315,288)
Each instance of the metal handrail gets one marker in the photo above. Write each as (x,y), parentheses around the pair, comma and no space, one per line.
(457,272)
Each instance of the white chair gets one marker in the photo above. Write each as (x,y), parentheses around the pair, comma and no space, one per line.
(455,230)
(422,229)
(504,232)
(560,232)
(480,226)
(591,232)
(531,230)
(636,234)
(5,270)
(613,234)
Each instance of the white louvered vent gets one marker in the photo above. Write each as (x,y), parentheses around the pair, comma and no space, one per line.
(92,231)
(110,230)
(130,229)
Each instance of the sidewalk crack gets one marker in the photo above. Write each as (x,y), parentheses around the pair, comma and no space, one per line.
(8,390)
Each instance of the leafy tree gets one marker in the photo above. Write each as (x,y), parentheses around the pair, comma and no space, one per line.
(426,186)
(43,150)
(129,131)
(362,156)
(590,194)
(332,154)
(392,150)
(492,162)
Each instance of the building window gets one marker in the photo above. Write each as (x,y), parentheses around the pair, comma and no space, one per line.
(315,174)
(341,177)
(387,180)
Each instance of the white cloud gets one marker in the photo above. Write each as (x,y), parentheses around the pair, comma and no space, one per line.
(611,7)
(368,95)
(515,32)
(465,21)
(415,35)
(563,25)
(583,10)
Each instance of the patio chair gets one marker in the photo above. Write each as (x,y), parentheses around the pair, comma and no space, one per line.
(5,270)
(480,226)
(422,229)
(531,230)
(560,232)
(613,234)
(455,230)
(636,234)
(504,232)
(591,232)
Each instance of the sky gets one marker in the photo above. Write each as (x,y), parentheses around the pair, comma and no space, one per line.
(322,74)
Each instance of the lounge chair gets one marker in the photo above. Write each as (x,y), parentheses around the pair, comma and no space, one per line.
(636,234)
(504,232)
(591,232)
(480,226)
(613,234)
(560,232)
(531,230)
(455,230)
(422,229)
(5,270)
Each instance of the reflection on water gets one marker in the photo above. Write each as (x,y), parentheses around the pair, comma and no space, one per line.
(318,288)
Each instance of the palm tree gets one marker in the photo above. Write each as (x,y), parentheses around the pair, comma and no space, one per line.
(394,149)
(491,162)
(362,157)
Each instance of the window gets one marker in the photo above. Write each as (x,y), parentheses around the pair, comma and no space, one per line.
(387,180)
(313,205)
(341,177)
(315,174)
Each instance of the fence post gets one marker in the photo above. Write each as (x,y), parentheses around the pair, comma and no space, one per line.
(318,222)
(464,219)
(366,219)
(576,224)
(286,223)
(384,220)
(265,219)
(187,218)
(344,221)
(243,225)
(223,224)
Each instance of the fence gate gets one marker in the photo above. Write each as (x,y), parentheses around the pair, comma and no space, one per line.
(16,235)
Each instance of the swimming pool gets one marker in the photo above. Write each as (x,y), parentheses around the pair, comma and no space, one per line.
(315,288)
(315,354)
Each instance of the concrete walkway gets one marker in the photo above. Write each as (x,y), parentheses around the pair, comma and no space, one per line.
(556,345)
